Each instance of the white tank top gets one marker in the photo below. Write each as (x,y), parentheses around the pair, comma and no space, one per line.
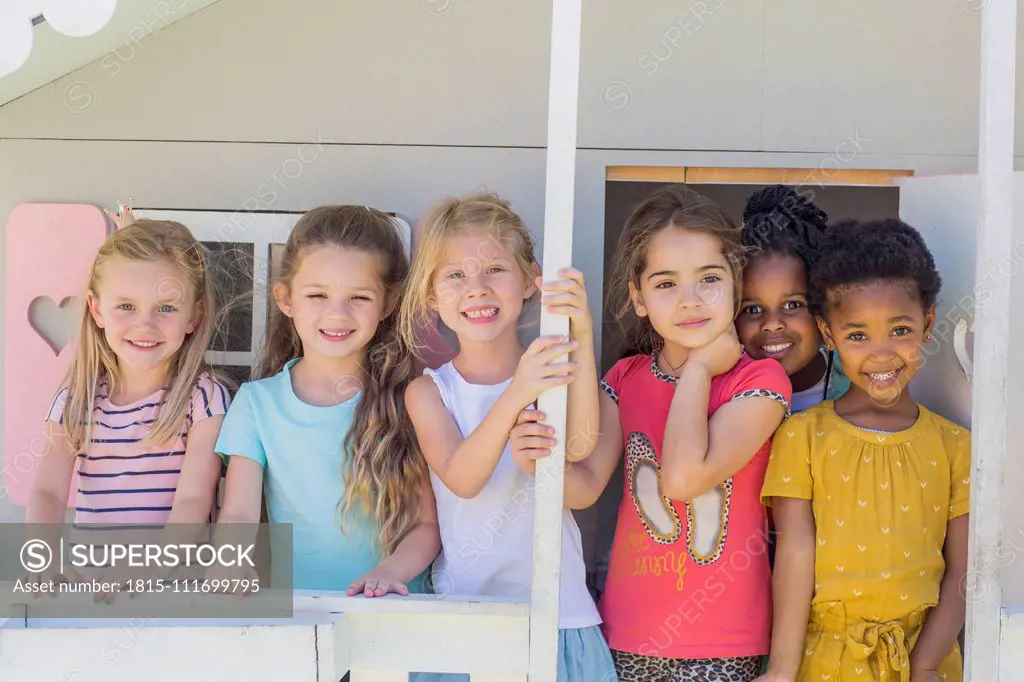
(487,541)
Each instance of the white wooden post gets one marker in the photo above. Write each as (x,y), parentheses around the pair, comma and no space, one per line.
(992,344)
(563,90)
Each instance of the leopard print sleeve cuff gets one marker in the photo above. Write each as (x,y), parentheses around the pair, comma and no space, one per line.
(610,391)
(763,393)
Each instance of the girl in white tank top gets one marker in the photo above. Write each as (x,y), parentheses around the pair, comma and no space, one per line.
(474,267)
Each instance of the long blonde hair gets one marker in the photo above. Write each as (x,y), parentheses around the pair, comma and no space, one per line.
(96,362)
(387,470)
(447,219)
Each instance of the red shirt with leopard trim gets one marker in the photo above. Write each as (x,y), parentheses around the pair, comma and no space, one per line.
(688,579)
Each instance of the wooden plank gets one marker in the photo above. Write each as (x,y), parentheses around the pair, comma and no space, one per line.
(825,174)
(992,338)
(456,643)
(646,173)
(559,197)
(821,175)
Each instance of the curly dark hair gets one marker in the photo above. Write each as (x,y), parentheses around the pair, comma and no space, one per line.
(859,252)
(780,220)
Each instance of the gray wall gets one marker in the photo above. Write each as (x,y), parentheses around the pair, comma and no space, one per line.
(397,103)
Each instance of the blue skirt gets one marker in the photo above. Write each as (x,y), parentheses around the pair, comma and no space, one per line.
(583,656)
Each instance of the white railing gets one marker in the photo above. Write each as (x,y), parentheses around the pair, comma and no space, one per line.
(378,640)
(990,405)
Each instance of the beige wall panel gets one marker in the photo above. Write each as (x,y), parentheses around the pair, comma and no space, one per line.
(456,72)
(670,75)
(901,77)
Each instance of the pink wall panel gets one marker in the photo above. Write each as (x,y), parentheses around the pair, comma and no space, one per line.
(50,248)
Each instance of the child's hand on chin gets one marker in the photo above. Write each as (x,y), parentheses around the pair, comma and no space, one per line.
(721,355)
(377,583)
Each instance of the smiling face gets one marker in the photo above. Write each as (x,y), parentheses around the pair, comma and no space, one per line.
(774,321)
(336,300)
(878,329)
(686,288)
(145,309)
(479,287)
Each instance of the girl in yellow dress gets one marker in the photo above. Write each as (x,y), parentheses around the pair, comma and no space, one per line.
(871,491)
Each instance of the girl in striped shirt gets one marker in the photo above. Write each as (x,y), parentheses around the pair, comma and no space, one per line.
(140,411)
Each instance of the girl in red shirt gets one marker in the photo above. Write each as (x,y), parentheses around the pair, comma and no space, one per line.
(688,595)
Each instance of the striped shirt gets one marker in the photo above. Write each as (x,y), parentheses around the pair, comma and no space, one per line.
(121,478)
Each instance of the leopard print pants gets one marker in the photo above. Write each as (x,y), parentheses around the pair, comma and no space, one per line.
(638,668)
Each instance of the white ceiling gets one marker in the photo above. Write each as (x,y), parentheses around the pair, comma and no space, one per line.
(55,55)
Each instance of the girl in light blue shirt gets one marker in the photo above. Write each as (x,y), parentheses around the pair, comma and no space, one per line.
(324,429)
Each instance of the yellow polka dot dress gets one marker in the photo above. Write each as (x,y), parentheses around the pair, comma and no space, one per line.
(881,503)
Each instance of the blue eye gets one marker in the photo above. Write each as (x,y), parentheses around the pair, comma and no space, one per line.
(752,310)
(792,305)
(664,285)
(495,268)
(167,308)
(858,336)
(126,307)
(710,279)
(902,331)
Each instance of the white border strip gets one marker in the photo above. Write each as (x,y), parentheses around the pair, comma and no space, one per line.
(563,93)
(992,349)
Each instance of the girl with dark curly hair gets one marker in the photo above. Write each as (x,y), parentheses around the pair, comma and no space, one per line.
(782,230)
(870,492)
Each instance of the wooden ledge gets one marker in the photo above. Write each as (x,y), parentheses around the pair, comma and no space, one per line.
(824,174)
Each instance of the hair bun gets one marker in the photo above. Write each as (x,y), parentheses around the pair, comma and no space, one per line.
(783,198)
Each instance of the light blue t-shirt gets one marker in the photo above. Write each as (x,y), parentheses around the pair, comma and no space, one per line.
(299,447)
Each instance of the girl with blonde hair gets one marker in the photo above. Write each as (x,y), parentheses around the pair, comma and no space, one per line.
(140,409)
(475,267)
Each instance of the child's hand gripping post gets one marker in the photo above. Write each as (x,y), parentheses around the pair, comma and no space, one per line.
(530,440)
(541,368)
(568,296)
